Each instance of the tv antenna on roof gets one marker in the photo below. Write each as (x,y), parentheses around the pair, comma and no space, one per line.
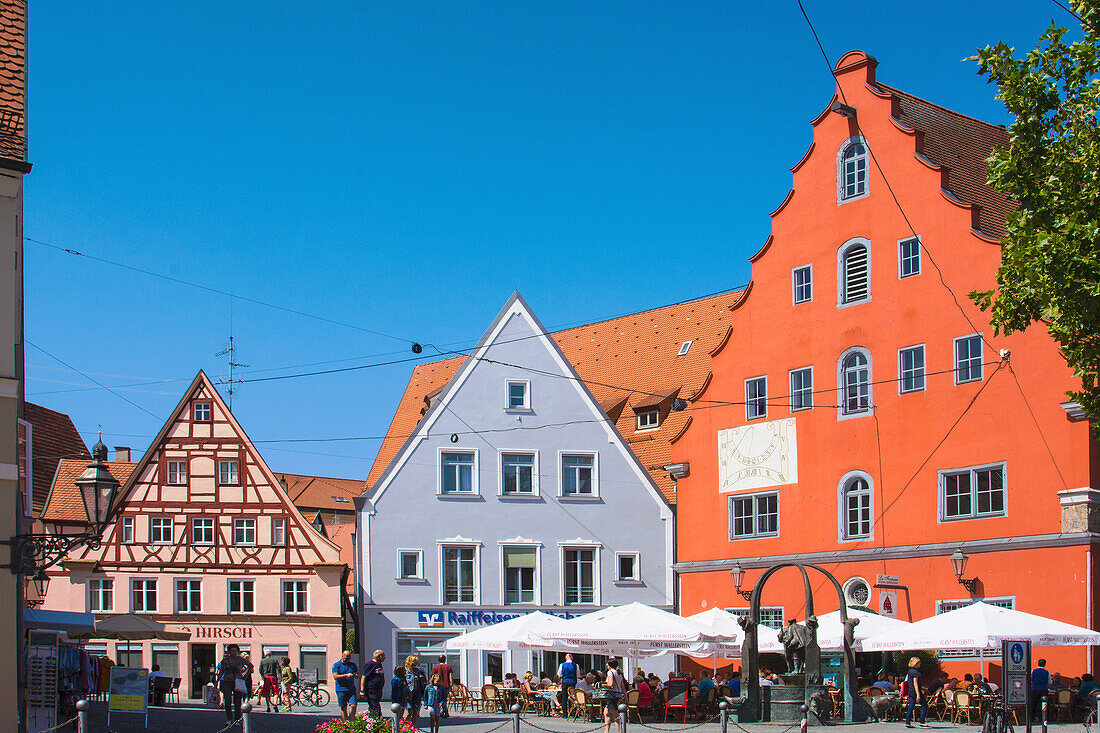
(231,352)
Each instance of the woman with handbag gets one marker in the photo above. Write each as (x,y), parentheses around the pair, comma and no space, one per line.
(231,682)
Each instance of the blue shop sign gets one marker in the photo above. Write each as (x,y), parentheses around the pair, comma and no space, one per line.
(433,618)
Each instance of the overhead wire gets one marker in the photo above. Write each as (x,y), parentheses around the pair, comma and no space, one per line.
(59,360)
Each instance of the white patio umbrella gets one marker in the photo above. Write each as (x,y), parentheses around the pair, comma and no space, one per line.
(980,626)
(520,632)
(830,630)
(721,621)
(635,629)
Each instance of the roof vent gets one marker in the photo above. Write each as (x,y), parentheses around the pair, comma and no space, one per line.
(684,348)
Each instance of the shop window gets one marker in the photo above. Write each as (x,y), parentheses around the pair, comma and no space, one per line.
(316,658)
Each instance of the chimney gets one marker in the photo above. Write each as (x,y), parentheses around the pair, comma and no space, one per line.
(122,453)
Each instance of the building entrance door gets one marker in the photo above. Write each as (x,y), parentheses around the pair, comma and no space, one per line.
(202,665)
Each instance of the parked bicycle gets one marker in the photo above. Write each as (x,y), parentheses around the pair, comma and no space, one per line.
(997,718)
(307,694)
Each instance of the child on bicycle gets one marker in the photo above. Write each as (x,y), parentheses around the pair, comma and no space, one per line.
(433,699)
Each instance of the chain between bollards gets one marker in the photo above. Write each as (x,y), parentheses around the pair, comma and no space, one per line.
(82,717)
(724,714)
(515,717)
(805,717)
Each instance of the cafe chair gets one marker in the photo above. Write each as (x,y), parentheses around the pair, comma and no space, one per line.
(459,696)
(174,690)
(965,706)
(1063,705)
(631,699)
(490,699)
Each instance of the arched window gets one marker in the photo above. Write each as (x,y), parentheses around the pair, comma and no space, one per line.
(856,506)
(852,170)
(854,378)
(854,272)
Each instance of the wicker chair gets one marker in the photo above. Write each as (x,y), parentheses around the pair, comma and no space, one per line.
(631,699)
(965,706)
(491,699)
(1063,705)
(581,706)
(459,696)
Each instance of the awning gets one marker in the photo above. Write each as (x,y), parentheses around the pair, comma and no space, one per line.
(72,623)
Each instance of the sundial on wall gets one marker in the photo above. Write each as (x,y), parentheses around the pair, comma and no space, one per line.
(757,455)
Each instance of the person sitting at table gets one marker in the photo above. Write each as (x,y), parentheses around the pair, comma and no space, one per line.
(642,685)
(1088,686)
(1075,684)
(530,687)
(965,682)
(587,684)
(510,680)
(936,685)
(655,683)
(979,686)
(1056,682)
(544,679)
(765,678)
(735,684)
(883,684)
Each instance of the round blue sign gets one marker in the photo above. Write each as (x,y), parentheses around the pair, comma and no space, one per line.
(1016,653)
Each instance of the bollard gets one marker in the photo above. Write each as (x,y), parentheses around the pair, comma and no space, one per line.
(622,717)
(396,710)
(82,717)
(1044,714)
(246,717)
(805,716)
(724,712)
(515,717)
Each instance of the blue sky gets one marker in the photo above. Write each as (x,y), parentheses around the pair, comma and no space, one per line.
(402,167)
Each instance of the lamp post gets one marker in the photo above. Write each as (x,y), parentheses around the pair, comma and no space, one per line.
(738,575)
(958,561)
(31,554)
(41,583)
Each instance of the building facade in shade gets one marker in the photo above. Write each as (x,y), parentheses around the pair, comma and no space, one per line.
(204,539)
(514,492)
(879,422)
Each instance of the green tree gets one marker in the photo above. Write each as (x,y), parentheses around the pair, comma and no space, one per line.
(1050,265)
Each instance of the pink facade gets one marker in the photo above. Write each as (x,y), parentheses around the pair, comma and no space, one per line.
(204,539)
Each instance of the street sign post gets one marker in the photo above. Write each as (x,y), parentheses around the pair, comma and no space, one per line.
(1016,667)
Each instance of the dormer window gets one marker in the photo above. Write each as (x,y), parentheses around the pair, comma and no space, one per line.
(648,418)
(519,395)
(852,170)
(202,412)
(341,499)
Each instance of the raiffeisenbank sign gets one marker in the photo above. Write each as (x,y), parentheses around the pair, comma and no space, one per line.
(434,618)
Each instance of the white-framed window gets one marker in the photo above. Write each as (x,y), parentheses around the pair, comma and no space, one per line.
(684,348)
(802,283)
(756,398)
(278,532)
(160,530)
(202,531)
(770,616)
(410,564)
(852,170)
(126,530)
(802,388)
(128,654)
(228,472)
(520,574)
(853,273)
(909,257)
(628,567)
(648,418)
(295,596)
(579,475)
(857,591)
(854,378)
(101,595)
(856,506)
(519,394)
(177,472)
(969,493)
(202,412)
(242,596)
(911,369)
(244,531)
(458,472)
(143,595)
(968,359)
(754,515)
(188,596)
(460,574)
(580,575)
(518,474)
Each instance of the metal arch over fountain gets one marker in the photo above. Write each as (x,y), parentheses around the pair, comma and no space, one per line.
(855,710)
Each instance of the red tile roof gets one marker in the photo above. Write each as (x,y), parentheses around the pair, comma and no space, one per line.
(64,504)
(322,492)
(626,357)
(53,437)
(13,79)
(962,145)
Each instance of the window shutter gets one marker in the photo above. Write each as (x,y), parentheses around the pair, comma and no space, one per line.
(855,274)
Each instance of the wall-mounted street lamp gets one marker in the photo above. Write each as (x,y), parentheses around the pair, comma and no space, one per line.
(958,560)
(738,575)
(41,583)
(31,554)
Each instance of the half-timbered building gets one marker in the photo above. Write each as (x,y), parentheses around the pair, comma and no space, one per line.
(204,539)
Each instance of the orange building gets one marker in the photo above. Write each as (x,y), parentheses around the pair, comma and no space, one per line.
(874,423)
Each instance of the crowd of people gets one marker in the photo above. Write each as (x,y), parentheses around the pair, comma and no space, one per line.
(234,681)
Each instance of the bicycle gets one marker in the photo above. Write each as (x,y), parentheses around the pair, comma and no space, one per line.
(997,718)
(314,695)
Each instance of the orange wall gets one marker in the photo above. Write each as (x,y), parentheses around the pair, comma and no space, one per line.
(772,336)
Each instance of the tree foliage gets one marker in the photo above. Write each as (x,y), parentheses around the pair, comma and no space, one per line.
(1050,267)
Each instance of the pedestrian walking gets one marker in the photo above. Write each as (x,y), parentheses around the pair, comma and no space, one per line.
(445,673)
(269,674)
(231,672)
(344,673)
(373,681)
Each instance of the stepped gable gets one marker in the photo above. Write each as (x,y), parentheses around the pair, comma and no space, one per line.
(54,438)
(632,357)
(962,145)
(13,79)
(64,505)
(321,492)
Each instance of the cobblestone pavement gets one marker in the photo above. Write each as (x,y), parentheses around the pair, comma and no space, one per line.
(204,719)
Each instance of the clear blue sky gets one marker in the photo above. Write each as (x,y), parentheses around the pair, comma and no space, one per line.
(403,166)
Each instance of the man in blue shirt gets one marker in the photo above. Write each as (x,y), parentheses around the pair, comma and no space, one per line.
(567,676)
(1040,685)
(344,673)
